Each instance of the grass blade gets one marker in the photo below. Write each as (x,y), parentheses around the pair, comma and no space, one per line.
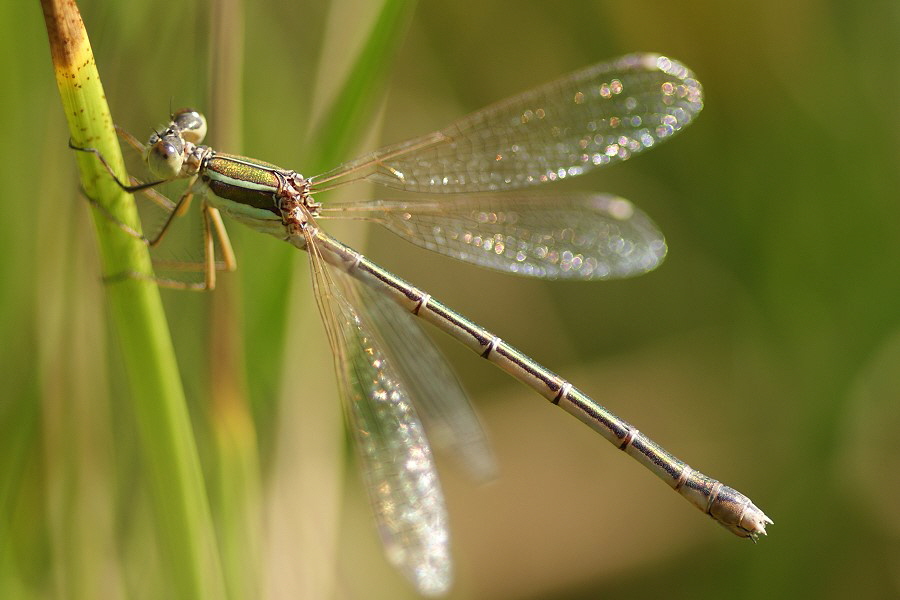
(184,524)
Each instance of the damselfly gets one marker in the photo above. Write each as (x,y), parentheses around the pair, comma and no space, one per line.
(386,366)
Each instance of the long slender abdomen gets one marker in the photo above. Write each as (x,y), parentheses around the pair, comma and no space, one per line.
(733,510)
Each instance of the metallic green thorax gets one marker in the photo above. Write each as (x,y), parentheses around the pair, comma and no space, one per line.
(244,181)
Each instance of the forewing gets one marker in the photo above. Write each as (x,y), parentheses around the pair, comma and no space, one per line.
(593,117)
(449,418)
(395,459)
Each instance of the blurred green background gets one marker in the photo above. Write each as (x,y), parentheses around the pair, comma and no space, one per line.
(764,351)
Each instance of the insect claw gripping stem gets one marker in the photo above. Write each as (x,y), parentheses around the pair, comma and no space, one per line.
(99,155)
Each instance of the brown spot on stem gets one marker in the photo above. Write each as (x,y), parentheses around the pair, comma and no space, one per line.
(65,29)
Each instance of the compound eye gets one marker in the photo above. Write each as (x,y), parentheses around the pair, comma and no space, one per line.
(165,157)
(191,124)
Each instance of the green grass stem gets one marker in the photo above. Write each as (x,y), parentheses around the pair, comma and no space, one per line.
(184,524)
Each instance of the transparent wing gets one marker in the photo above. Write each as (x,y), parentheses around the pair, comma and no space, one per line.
(593,117)
(395,459)
(565,236)
(450,420)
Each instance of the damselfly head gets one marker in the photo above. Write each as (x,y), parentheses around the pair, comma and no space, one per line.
(165,154)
